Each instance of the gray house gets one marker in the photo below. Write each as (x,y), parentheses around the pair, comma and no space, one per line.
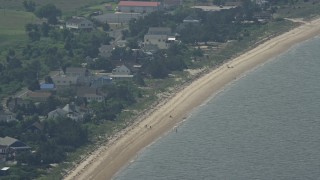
(89,94)
(121,70)
(69,110)
(105,50)
(57,113)
(9,147)
(7,116)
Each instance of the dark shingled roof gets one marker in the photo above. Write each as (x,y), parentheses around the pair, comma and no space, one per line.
(76,20)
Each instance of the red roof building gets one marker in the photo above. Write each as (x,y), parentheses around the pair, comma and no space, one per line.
(138,6)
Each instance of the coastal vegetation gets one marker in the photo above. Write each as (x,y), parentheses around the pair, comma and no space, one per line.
(38,46)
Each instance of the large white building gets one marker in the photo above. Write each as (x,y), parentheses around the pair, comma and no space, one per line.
(138,6)
(159,36)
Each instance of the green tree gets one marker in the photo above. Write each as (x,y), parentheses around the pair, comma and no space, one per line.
(157,69)
(48,80)
(50,12)
(45,28)
(12,61)
(33,32)
(34,85)
(138,79)
(30,6)
(106,26)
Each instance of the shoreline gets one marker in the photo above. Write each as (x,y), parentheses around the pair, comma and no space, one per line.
(111,157)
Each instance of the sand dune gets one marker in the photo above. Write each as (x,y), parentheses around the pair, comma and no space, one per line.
(112,156)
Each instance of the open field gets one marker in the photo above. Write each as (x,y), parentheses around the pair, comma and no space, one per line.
(67,6)
(12,27)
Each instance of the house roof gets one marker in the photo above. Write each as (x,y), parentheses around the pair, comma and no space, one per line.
(139,3)
(5,168)
(172,2)
(77,20)
(36,125)
(121,43)
(103,78)
(33,94)
(65,78)
(79,70)
(106,48)
(159,31)
(13,143)
(70,108)
(122,67)
(46,86)
(57,112)
(121,76)
(81,92)
(7,141)
(191,19)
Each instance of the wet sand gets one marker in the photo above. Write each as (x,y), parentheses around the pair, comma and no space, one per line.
(108,159)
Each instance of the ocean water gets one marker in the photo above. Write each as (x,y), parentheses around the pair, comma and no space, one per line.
(264,126)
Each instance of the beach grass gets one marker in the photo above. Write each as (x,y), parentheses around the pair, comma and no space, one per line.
(300,9)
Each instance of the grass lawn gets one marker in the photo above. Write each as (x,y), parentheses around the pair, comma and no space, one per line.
(67,6)
(12,26)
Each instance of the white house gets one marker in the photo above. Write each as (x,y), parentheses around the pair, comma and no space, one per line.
(158,36)
(79,23)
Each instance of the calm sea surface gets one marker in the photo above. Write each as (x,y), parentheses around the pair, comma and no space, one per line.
(265,125)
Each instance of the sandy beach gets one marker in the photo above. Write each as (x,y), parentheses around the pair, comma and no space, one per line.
(108,159)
